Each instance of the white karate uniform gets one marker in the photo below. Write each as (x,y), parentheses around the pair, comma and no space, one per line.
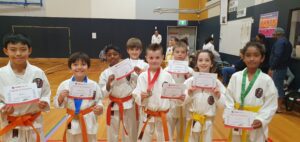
(74,133)
(133,81)
(209,46)
(198,103)
(156,39)
(140,64)
(175,112)
(9,78)
(267,100)
(120,89)
(153,103)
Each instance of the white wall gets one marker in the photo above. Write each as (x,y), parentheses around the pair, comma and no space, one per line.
(216,10)
(68,8)
(20,10)
(110,9)
(51,8)
(113,9)
(144,9)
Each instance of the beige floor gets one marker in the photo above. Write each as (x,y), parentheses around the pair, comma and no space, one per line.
(283,128)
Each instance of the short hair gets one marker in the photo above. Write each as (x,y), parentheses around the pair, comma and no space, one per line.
(212,58)
(207,40)
(15,38)
(174,38)
(134,43)
(79,56)
(185,40)
(112,47)
(180,44)
(255,44)
(154,47)
(261,37)
(279,31)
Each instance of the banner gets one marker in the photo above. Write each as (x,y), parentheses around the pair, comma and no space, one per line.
(268,23)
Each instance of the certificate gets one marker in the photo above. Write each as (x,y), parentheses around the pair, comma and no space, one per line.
(137,63)
(204,80)
(122,69)
(81,90)
(238,118)
(21,94)
(178,67)
(172,91)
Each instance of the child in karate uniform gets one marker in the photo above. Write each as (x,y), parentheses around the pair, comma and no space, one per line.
(176,115)
(82,124)
(201,103)
(121,108)
(134,49)
(148,95)
(19,71)
(252,90)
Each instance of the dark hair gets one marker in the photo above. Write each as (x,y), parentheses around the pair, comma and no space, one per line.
(207,40)
(112,47)
(154,47)
(255,44)
(134,43)
(15,38)
(180,44)
(79,56)
(185,40)
(262,38)
(174,38)
(212,58)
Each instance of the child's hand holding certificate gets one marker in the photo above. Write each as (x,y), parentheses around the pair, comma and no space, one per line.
(21,94)
(178,67)
(204,80)
(172,91)
(238,118)
(81,90)
(122,69)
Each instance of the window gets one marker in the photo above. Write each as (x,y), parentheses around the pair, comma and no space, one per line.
(295,32)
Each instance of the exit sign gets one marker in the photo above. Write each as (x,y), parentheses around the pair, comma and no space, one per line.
(182,23)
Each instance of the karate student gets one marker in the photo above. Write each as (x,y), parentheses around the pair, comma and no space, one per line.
(82,124)
(252,90)
(121,108)
(23,122)
(148,95)
(169,53)
(176,115)
(134,49)
(201,103)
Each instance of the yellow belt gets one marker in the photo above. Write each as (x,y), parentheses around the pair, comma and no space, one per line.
(195,117)
(247,108)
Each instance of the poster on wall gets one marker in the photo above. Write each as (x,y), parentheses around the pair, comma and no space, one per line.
(224,11)
(267,23)
(233,4)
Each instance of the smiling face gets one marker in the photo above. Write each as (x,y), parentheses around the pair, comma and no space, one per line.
(154,59)
(113,57)
(253,57)
(17,53)
(79,69)
(134,53)
(204,62)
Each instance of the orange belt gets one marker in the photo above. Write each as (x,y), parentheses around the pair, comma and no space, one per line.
(162,115)
(81,120)
(24,120)
(119,102)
